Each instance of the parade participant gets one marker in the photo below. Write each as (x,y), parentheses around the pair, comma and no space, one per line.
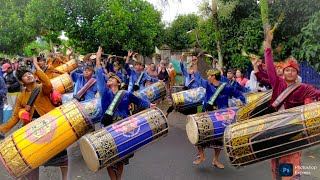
(115,104)
(189,82)
(115,68)
(232,82)
(3,93)
(40,106)
(152,71)
(281,99)
(172,74)
(217,96)
(138,77)
(239,77)
(49,70)
(54,60)
(85,84)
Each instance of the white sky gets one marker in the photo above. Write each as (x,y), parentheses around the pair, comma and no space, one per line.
(175,8)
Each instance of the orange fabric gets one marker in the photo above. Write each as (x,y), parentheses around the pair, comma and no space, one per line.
(42,103)
(279,64)
(66,59)
(51,72)
(172,76)
(56,63)
(291,63)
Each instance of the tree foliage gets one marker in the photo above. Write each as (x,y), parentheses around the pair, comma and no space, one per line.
(177,36)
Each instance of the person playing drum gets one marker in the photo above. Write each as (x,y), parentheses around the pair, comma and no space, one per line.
(41,106)
(49,70)
(111,95)
(294,98)
(217,95)
(85,84)
(138,77)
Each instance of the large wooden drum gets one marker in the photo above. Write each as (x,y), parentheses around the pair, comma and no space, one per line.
(256,104)
(68,67)
(62,83)
(118,141)
(250,97)
(42,139)
(204,127)
(188,99)
(273,135)
(153,92)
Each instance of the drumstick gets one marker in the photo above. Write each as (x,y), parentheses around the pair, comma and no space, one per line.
(277,23)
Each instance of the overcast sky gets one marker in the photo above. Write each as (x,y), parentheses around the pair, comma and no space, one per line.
(175,8)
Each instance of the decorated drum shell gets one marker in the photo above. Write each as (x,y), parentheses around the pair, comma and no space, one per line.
(68,67)
(153,92)
(189,98)
(62,83)
(205,127)
(118,141)
(273,135)
(40,140)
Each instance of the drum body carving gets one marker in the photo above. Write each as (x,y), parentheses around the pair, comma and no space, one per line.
(43,138)
(188,99)
(204,127)
(273,135)
(153,92)
(68,67)
(118,141)
(62,83)
(250,97)
(256,104)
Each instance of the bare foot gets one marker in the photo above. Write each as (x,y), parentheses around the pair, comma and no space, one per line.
(218,164)
(199,161)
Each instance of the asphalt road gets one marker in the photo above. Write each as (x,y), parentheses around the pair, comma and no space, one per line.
(170,158)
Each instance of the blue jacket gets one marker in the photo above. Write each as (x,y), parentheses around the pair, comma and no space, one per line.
(107,97)
(222,100)
(3,91)
(237,86)
(80,81)
(134,76)
(188,78)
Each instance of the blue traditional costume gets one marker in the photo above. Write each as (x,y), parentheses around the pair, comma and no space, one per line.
(238,87)
(137,78)
(80,83)
(189,81)
(217,97)
(107,96)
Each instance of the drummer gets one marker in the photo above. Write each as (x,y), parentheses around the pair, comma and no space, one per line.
(85,84)
(217,95)
(114,106)
(41,106)
(54,60)
(138,77)
(49,70)
(232,82)
(294,99)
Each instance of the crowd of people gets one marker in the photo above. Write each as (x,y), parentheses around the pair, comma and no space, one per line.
(116,79)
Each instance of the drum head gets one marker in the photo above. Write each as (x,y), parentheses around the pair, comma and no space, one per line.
(192,130)
(89,154)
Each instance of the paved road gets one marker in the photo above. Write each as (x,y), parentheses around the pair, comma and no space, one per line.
(171,158)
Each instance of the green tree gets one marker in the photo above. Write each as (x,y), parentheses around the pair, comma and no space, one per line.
(178,38)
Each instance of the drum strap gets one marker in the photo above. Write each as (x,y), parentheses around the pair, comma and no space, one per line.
(190,83)
(232,82)
(139,79)
(215,95)
(285,94)
(85,88)
(33,96)
(115,102)
(45,68)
